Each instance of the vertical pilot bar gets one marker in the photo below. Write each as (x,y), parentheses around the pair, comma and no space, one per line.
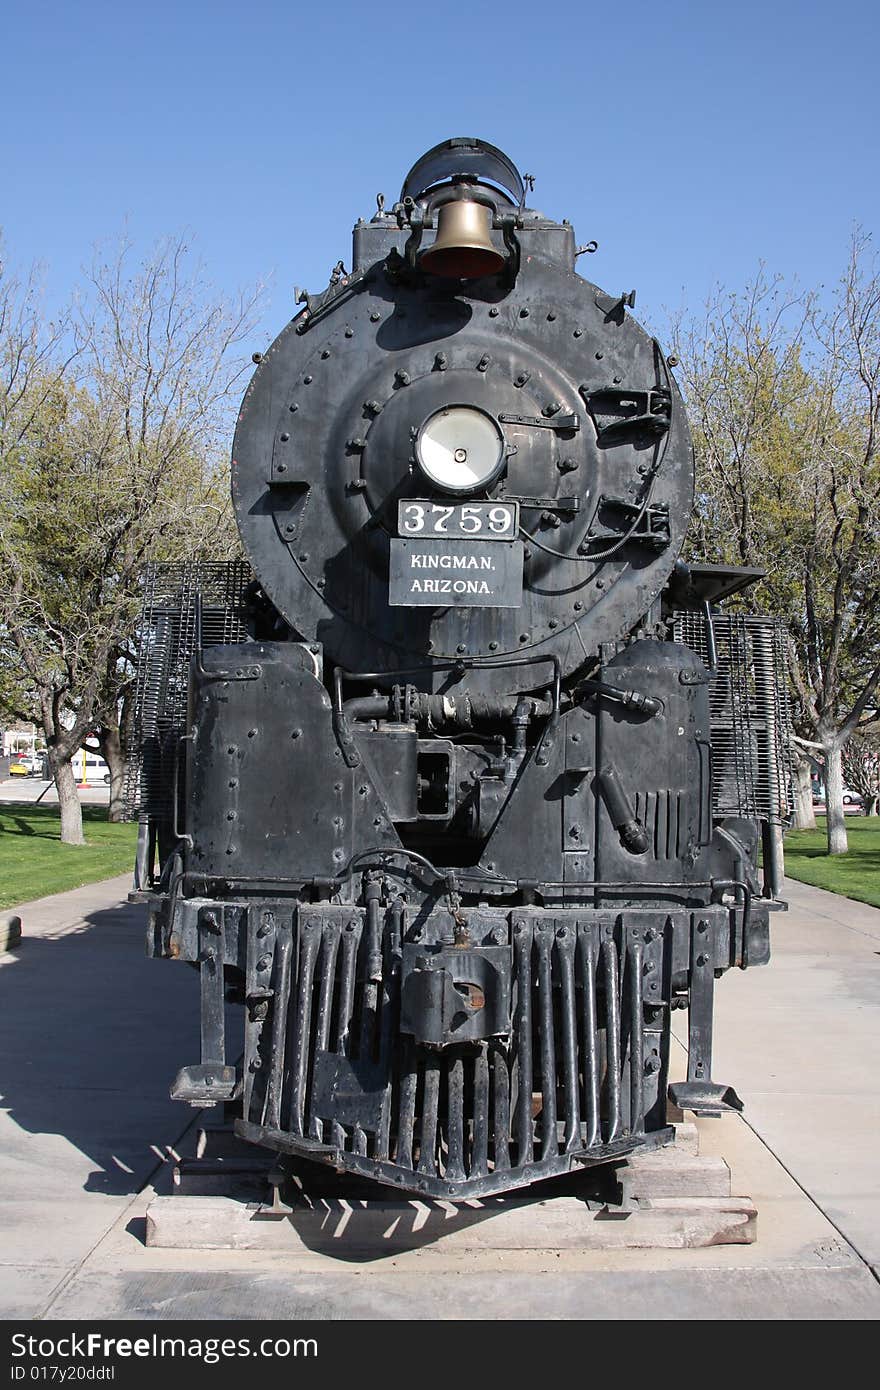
(522,935)
(407,1104)
(455,1121)
(280,999)
(549,1140)
(327,977)
(308,953)
(636,1036)
(480,1153)
(501,1125)
(430,1104)
(565,944)
(587,951)
(612,1034)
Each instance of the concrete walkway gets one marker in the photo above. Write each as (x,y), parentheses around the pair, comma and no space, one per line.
(91,1033)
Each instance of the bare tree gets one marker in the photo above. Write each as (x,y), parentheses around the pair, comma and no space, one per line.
(123,463)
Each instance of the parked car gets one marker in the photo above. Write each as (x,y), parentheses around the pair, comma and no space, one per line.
(21,766)
(850,798)
(95,770)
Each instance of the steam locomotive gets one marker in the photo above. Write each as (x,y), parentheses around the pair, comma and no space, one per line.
(457,785)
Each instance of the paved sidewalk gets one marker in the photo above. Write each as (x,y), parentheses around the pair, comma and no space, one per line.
(798,1039)
(91,1033)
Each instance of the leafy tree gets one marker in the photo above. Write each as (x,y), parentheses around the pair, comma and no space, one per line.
(786,402)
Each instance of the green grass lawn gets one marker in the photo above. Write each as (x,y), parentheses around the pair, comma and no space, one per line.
(34,862)
(854,875)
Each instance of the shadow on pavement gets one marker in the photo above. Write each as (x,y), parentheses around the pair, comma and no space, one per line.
(91,1036)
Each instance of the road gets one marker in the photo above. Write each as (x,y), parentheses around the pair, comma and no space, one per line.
(36,789)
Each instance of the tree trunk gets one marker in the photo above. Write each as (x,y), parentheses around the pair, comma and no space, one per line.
(805,816)
(872,805)
(68,798)
(834,817)
(111,751)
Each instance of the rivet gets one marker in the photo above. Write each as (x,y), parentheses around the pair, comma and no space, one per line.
(257,357)
(296,733)
(575,738)
(483,363)
(523,313)
(578,333)
(493,313)
(307,380)
(441,362)
(231,748)
(349,332)
(233,782)
(303,557)
(524,637)
(599,356)
(325,354)
(402,378)
(252,733)
(285,437)
(618,380)
(461,648)
(551,316)
(230,815)
(493,646)
(553,623)
(374,316)
(578,606)
(293,408)
(600,583)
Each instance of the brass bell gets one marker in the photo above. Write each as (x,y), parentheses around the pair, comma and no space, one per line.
(462,249)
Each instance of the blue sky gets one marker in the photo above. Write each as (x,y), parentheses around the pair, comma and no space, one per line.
(690,140)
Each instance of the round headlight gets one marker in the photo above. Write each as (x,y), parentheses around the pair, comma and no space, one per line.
(460,449)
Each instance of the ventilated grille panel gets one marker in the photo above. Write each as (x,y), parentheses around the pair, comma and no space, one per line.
(572,1078)
(167,639)
(751,716)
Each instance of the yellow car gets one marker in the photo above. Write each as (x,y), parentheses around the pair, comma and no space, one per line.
(18,769)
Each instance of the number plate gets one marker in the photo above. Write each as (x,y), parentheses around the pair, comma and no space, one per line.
(485,521)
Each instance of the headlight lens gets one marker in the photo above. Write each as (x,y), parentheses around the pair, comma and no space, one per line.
(460,449)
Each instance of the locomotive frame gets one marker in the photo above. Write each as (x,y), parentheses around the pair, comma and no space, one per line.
(458,852)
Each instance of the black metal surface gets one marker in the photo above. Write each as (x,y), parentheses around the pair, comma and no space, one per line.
(457,857)
(564,1081)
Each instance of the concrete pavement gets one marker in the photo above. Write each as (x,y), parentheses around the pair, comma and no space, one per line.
(91,1033)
